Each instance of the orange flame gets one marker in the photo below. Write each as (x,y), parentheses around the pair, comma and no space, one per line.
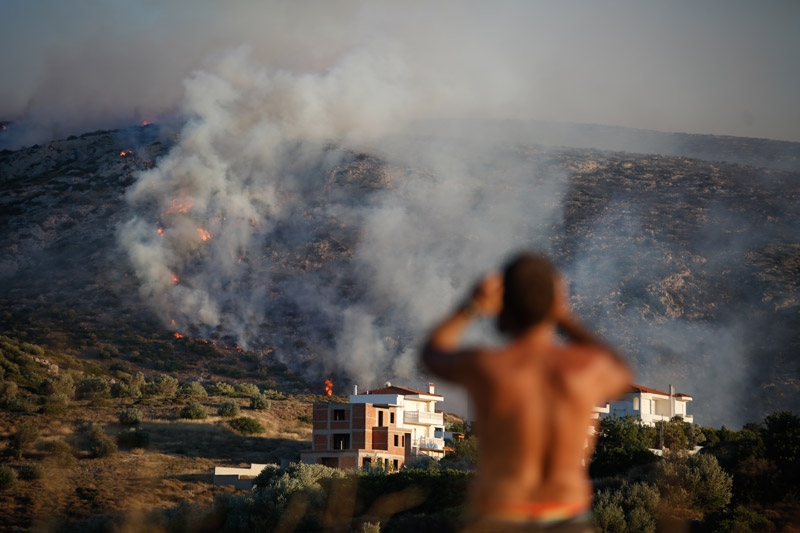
(178,335)
(203,234)
(145,123)
(4,127)
(176,279)
(122,154)
(329,387)
(172,321)
(178,208)
(240,261)
(161,232)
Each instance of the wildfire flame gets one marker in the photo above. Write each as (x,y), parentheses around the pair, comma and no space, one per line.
(203,234)
(145,123)
(178,335)
(123,154)
(240,261)
(161,232)
(329,387)
(4,127)
(175,278)
(178,208)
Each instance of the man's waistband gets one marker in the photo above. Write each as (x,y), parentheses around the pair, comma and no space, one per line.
(543,513)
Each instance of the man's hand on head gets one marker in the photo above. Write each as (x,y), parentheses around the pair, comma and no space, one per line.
(487,297)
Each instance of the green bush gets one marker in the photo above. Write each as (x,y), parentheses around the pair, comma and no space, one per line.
(62,384)
(134,438)
(104,448)
(693,482)
(220,388)
(32,348)
(192,390)
(130,417)
(22,440)
(246,425)
(259,402)
(194,411)
(31,471)
(108,352)
(247,389)
(8,391)
(630,509)
(162,385)
(92,389)
(55,405)
(228,409)
(96,432)
(8,477)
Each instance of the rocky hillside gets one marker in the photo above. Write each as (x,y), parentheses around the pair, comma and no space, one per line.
(689,264)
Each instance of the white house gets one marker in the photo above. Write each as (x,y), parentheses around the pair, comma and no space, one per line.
(416,414)
(651,405)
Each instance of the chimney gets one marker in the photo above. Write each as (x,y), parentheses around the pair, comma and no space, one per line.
(355,390)
(671,401)
(431,388)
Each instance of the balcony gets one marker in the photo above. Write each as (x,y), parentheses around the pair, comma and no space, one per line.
(424,443)
(423,418)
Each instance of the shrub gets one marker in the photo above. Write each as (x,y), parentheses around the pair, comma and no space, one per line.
(272,394)
(228,409)
(631,508)
(31,471)
(693,482)
(104,448)
(130,417)
(134,438)
(92,389)
(194,411)
(259,402)
(55,405)
(22,440)
(220,388)
(192,390)
(108,352)
(62,384)
(8,391)
(32,348)
(247,389)
(162,385)
(8,478)
(246,425)
(95,432)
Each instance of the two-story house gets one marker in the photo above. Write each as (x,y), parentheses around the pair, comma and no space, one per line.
(390,425)
(651,405)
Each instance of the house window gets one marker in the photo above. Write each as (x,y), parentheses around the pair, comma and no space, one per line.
(366,462)
(438,433)
(397,440)
(341,441)
(391,418)
(636,403)
(395,464)
(338,414)
(380,418)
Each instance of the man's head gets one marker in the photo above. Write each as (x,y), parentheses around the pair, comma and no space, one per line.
(528,294)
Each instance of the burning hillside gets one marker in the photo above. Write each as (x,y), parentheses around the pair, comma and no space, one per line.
(337,269)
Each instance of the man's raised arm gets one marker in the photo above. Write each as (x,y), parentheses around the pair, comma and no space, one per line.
(441,353)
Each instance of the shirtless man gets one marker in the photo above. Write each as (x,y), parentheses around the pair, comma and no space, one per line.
(534,399)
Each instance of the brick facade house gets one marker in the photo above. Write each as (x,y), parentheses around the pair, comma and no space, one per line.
(388,426)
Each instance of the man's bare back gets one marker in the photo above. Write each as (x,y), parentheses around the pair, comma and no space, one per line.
(534,400)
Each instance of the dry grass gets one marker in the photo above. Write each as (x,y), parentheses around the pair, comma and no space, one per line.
(177,466)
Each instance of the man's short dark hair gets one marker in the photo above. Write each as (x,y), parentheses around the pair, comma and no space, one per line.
(527,293)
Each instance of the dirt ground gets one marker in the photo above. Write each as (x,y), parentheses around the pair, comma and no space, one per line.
(177,466)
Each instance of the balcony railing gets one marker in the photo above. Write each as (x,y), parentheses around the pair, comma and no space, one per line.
(424,443)
(422,417)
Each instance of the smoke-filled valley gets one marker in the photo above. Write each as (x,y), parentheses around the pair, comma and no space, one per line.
(335,258)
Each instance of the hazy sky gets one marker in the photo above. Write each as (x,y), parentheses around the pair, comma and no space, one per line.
(722,67)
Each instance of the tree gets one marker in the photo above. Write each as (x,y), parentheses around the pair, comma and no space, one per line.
(194,411)
(693,481)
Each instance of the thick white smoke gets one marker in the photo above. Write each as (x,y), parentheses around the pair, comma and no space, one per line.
(229,208)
